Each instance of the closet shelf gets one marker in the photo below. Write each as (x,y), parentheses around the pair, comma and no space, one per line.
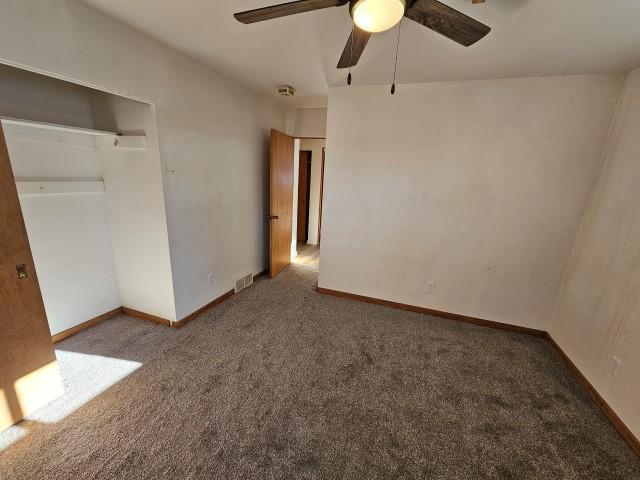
(54,126)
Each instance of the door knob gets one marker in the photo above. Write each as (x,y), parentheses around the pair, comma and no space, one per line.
(22,271)
(273,217)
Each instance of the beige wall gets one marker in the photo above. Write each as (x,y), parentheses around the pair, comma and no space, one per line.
(213,135)
(476,186)
(306,122)
(597,316)
(136,209)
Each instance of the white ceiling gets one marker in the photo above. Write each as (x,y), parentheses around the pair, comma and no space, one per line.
(529,38)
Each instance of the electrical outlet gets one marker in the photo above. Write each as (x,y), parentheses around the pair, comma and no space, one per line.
(431,287)
(210,279)
(614,366)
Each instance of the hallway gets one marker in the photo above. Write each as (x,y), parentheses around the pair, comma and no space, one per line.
(308,255)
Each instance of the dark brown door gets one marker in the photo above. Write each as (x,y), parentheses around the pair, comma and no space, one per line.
(280,201)
(304,187)
(29,376)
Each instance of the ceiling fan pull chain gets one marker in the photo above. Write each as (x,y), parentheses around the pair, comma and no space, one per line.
(352,39)
(395,67)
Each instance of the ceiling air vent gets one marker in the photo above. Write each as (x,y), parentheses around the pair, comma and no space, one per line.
(243,282)
(286,90)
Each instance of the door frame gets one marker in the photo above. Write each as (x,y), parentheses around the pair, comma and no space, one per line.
(321,185)
(321,196)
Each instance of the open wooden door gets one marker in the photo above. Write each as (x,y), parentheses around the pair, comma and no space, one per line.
(29,375)
(280,201)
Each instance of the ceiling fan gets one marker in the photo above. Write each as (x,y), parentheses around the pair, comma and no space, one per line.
(374,16)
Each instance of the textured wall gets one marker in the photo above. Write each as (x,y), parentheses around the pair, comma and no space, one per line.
(476,186)
(598,312)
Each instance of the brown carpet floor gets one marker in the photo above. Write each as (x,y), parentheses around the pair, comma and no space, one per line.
(280,382)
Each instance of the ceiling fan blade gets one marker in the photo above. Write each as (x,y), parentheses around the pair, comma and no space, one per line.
(284,9)
(354,48)
(447,21)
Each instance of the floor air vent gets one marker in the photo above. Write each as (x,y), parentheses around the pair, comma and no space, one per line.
(243,282)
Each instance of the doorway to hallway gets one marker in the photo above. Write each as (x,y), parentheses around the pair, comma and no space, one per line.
(309,161)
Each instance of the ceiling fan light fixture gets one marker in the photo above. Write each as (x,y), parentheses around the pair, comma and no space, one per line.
(377,15)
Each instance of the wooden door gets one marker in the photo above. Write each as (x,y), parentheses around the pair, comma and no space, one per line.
(29,376)
(304,187)
(280,201)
